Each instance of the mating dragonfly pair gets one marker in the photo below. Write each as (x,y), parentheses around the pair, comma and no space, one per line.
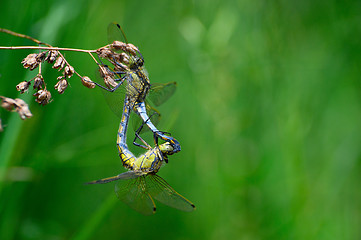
(127,87)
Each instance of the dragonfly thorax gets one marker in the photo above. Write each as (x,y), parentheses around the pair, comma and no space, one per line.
(151,161)
(136,63)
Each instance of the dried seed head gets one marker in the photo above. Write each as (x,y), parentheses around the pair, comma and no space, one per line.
(62,65)
(68,71)
(42,97)
(22,109)
(7,103)
(41,56)
(51,57)
(104,71)
(122,57)
(118,66)
(30,61)
(126,47)
(61,86)
(59,63)
(38,82)
(87,82)
(109,82)
(18,105)
(105,53)
(118,45)
(125,58)
(23,86)
(132,49)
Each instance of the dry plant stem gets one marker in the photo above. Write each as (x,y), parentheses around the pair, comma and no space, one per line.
(32,61)
(62,56)
(23,36)
(39,72)
(49,48)
(94,58)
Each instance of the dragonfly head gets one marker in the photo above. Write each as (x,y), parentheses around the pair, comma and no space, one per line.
(166,148)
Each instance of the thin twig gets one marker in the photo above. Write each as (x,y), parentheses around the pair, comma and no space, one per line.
(23,36)
(49,48)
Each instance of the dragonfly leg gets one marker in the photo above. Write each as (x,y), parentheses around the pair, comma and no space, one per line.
(112,89)
(121,65)
(119,72)
(146,145)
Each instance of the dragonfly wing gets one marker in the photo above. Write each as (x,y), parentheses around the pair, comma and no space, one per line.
(133,192)
(165,194)
(125,175)
(115,100)
(116,33)
(161,92)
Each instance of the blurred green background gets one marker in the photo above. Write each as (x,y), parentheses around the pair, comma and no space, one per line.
(268,112)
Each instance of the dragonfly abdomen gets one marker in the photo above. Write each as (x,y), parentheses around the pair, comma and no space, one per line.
(126,156)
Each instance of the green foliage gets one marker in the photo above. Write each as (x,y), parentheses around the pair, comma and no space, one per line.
(267,111)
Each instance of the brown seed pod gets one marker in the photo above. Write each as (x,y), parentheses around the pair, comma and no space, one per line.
(87,82)
(104,71)
(7,103)
(105,53)
(22,109)
(122,57)
(38,82)
(51,57)
(23,86)
(30,61)
(109,82)
(118,45)
(68,71)
(58,63)
(18,105)
(42,97)
(61,86)
(41,56)
(118,66)
(132,49)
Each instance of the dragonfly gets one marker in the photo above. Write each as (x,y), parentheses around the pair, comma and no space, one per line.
(126,76)
(140,185)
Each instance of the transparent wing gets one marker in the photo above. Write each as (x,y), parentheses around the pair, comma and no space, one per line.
(125,175)
(115,100)
(164,193)
(159,92)
(116,33)
(133,192)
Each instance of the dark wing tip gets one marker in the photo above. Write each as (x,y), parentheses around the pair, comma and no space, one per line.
(87,183)
(94,182)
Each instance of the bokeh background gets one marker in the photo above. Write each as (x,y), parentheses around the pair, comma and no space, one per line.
(267,110)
